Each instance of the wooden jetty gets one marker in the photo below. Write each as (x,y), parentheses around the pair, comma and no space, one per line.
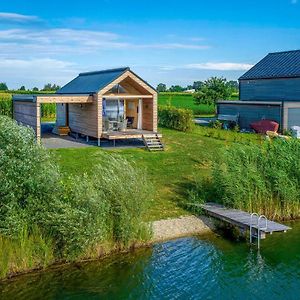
(258,225)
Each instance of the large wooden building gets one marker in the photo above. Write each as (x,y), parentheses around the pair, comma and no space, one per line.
(112,104)
(269,90)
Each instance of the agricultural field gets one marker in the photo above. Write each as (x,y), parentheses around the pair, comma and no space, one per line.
(185,100)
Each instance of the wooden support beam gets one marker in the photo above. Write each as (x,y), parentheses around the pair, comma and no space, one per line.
(65,99)
(126,96)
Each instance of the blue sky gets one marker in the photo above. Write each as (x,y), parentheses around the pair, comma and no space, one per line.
(175,42)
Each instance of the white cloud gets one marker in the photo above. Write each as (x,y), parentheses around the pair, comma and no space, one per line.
(223,66)
(62,40)
(37,72)
(174,46)
(18,18)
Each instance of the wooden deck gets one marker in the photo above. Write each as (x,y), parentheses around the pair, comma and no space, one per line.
(128,134)
(242,219)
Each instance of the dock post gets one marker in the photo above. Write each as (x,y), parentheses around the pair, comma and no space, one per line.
(87,138)
(99,142)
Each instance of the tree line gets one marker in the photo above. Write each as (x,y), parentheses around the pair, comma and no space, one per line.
(47,87)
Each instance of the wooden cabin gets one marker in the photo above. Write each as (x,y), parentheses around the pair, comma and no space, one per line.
(269,90)
(112,104)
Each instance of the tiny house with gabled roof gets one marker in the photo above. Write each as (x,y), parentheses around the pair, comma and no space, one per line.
(112,104)
(269,90)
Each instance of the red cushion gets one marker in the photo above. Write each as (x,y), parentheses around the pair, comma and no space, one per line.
(265,125)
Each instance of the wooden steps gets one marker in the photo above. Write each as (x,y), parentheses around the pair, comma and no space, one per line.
(153,142)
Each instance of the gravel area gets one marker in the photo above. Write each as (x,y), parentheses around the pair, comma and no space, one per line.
(182,226)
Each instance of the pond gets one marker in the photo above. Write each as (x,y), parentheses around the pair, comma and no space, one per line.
(204,267)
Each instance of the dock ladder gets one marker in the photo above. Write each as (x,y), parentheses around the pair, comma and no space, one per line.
(259,228)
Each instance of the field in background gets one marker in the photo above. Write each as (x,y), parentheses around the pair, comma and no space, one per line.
(185,100)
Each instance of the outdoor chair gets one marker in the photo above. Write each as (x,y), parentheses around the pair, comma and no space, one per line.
(108,125)
(130,121)
(122,125)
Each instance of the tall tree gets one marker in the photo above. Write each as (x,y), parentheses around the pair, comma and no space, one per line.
(197,85)
(176,88)
(213,89)
(50,87)
(35,89)
(161,87)
(3,86)
(22,88)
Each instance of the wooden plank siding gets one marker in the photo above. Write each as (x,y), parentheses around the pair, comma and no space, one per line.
(83,118)
(155,118)
(282,89)
(147,114)
(28,114)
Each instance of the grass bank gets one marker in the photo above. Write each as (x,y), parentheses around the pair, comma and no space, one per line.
(173,172)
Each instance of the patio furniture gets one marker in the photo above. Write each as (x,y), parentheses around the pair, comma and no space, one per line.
(130,121)
(108,125)
(113,125)
(122,126)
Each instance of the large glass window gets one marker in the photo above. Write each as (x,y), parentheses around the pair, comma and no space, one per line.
(113,110)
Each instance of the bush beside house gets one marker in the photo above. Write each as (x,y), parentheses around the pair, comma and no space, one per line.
(175,118)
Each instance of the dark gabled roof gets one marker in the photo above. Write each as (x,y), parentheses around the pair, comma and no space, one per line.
(91,82)
(276,65)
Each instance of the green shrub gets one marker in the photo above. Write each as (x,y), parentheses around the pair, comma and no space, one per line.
(258,178)
(175,118)
(27,176)
(72,215)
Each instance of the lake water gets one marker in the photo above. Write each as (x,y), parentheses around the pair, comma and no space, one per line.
(204,267)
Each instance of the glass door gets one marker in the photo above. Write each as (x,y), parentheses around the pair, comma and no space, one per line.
(112,112)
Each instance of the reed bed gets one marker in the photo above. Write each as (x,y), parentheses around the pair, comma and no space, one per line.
(259,178)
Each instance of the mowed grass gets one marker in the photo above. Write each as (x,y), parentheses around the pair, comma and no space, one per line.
(172,172)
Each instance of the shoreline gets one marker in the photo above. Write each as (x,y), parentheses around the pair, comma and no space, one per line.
(163,230)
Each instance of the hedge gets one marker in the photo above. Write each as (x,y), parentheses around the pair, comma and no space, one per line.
(175,118)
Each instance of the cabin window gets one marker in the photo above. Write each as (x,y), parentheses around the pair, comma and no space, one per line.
(113,110)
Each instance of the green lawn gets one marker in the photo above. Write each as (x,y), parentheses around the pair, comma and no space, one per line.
(187,155)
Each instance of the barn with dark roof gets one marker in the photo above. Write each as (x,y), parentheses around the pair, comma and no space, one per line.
(269,90)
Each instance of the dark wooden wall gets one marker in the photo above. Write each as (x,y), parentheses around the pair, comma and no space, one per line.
(287,89)
(249,113)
